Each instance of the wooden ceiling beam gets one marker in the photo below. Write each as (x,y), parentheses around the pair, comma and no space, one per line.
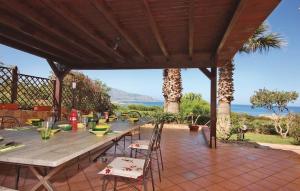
(31,42)
(200,60)
(67,15)
(24,11)
(32,50)
(154,28)
(236,15)
(20,27)
(101,6)
(191,28)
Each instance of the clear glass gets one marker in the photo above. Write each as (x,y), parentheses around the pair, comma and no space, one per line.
(45,133)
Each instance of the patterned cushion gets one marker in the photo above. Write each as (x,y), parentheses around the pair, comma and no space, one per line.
(140,144)
(125,167)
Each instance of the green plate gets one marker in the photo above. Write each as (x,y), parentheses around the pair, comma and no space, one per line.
(65,127)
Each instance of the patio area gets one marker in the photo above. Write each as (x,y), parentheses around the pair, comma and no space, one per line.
(189,165)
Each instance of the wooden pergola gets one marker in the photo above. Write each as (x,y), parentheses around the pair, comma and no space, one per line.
(132,34)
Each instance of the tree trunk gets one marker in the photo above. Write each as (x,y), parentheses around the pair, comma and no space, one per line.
(172,107)
(224,122)
(225,97)
(172,89)
(165,105)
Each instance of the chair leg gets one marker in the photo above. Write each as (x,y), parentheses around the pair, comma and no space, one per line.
(18,168)
(115,183)
(157,159)
(78,163)
(161,159)
(135,153)
(145,183)
(115,149)
(124,142)
(139,132)
(104,184)
(152,179)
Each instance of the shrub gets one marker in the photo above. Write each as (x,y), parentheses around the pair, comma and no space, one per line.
(194,103)
(295,129)
(139,107)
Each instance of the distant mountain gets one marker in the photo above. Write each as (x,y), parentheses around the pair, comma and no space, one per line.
(122,96)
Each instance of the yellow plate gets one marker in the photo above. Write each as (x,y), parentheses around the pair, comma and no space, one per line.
(80,125)
(97,133)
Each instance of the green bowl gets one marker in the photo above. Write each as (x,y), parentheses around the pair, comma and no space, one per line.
(65,127)
(98,133)
(101,127)
(102,121)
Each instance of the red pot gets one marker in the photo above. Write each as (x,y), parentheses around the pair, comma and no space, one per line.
(194,127)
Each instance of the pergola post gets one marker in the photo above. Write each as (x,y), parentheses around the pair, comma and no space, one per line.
(60,72)
(213,107)
(212,76)
(14,85)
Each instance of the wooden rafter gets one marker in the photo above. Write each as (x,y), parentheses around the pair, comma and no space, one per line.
(33,50)
(40,22)
(42,38)
(191,28)
(102,7)
(27,41)
(155,30)
(67,15)
(232,23)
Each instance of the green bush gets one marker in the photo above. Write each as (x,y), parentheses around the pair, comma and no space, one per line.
(262,125)
(139,107)
(295,129)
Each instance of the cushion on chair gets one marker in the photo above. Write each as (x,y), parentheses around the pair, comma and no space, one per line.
(140,144)
(125,167)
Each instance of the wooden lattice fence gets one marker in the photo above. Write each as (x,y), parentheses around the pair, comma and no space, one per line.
(29,91)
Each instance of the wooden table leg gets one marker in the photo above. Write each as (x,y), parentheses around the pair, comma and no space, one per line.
(44,180)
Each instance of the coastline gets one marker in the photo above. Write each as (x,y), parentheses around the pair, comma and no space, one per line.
(238,108)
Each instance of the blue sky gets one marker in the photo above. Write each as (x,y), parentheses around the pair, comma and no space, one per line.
(278,69)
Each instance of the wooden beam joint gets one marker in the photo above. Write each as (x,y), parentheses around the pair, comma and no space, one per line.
(206,72)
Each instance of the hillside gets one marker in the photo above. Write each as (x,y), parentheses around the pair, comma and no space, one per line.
(122,96)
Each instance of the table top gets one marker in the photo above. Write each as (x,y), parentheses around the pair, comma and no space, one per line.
(61,148)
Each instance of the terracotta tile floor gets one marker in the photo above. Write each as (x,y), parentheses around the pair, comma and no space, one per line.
(191,166)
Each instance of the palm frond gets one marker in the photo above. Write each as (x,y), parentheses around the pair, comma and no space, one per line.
(262,40)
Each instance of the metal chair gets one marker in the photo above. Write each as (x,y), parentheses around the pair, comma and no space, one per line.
(131,169)
(135,132)
(9,122)
(142,145)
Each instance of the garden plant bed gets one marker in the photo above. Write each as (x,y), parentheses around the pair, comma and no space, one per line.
(262,138)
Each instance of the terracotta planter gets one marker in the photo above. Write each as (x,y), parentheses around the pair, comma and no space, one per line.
(194,127)
(9,106)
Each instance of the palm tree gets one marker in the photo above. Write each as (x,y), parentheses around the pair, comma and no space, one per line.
(172,89)
(261,41)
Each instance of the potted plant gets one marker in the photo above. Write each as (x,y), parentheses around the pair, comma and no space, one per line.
(193,122)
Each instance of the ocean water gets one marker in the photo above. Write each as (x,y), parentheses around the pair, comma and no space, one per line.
(235,108)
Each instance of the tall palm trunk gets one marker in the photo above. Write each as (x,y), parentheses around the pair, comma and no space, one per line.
(172,89)
(225,96)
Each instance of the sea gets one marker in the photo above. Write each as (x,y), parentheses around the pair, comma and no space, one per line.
(234,107)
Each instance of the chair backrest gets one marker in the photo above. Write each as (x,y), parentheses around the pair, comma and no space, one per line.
(9,122)
(153,139)
(157,142)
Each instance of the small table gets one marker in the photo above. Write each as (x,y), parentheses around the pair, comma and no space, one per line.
(56,152)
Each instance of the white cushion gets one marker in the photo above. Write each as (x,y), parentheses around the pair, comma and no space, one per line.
(125,167)
(140,144)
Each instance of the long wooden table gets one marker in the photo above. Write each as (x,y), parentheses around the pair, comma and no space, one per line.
(59,150)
